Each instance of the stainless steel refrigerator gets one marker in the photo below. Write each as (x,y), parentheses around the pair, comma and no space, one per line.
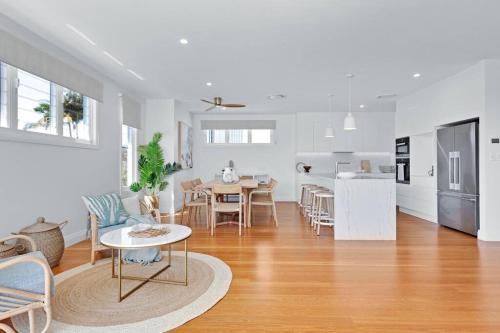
(458,176)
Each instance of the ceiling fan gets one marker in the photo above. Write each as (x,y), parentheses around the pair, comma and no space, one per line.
(217,103)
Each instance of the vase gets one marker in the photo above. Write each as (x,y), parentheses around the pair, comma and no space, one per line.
(152,201)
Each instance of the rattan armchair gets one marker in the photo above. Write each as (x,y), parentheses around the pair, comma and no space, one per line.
(14,298)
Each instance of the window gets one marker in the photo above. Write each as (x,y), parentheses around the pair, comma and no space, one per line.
(3,95)
(239,136)
(129,156)
(261,136)
(76,115)
(38,105)
(35,104)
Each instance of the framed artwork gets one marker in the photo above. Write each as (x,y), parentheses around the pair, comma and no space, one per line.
(185,145)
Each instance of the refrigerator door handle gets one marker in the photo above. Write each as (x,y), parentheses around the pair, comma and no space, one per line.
(451,170)
(457,171)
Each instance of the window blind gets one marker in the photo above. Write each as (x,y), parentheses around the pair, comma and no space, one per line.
(131,112)
(237,124)
(22,55)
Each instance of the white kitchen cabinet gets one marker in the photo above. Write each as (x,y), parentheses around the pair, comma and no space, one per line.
(322,144)
(374,133)
(377,131)
(305,133)
(418,198)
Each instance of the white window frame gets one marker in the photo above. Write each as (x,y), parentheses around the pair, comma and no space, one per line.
(11,133)
(227,143)
(132,170)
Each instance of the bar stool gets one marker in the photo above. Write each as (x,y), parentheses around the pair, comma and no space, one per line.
(306,200)
(312,199)
(302,191)
(324,200)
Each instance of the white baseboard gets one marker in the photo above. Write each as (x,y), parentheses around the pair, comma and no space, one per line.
(75,237)
(426,217)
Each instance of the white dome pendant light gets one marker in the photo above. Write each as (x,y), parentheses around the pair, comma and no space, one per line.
(349,121)
(330,131)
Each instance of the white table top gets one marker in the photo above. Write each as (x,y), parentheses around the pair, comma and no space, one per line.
(119,238)
(245,183)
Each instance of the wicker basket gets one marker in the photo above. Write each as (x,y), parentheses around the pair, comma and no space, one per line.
(48,238)
(7,250)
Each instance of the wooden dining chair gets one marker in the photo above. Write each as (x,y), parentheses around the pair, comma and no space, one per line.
(192,199)
(263,196)
(195,183)
(226,207)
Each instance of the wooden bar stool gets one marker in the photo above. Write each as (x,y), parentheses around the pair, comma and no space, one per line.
(324,209)
(303,195)
(312,211)
(306,205)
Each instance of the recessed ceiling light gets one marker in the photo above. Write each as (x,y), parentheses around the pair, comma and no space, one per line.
(416,75)
(110,56)
(135,74)
(362,106)
(183,41)
(81,34)
(276,96)
(209,84)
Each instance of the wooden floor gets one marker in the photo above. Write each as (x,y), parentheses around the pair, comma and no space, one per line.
(431,279)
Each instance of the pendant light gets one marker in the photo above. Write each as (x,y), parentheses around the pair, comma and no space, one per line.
(330,131)
(349,121)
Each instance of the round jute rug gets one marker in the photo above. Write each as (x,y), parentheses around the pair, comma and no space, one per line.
(86,297)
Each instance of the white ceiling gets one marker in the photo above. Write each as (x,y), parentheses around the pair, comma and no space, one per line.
(250,49)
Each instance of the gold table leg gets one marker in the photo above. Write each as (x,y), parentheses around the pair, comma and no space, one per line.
(151,278)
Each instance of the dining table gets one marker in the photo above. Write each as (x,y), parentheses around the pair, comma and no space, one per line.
(247,185)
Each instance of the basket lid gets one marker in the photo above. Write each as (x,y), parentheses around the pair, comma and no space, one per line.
(6,247)
(39,226)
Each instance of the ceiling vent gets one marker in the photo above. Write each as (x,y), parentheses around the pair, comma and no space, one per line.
(387,96)
(276,97)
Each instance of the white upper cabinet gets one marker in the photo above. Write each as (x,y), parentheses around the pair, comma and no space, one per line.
(374,133)
(305,133)
(322,144)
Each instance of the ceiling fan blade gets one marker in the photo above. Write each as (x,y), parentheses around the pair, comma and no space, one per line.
(210,108)
(209,102)
(234,105)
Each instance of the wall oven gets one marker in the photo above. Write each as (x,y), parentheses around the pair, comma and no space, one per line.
(403,147)
(403,170)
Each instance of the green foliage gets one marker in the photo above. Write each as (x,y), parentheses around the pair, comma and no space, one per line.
(45,121)
(73,105)
(152,168)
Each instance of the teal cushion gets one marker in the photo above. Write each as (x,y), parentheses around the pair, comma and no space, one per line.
(107,207)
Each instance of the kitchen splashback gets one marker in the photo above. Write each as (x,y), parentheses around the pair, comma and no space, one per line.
(325,163)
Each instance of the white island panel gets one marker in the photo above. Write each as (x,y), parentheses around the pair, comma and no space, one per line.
(365,209)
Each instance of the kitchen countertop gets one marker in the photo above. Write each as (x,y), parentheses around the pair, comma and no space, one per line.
(360,175)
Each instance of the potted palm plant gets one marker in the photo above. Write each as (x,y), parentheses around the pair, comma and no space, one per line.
(153,171)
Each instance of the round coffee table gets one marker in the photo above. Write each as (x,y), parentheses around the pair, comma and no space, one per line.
(120,239)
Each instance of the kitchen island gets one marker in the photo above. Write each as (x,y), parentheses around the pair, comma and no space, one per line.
(365,208)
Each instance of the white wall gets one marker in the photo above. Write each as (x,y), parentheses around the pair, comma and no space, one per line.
(163,115)
(277,160)
(47,180)
(456,98)
(469,94)
(490,186)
